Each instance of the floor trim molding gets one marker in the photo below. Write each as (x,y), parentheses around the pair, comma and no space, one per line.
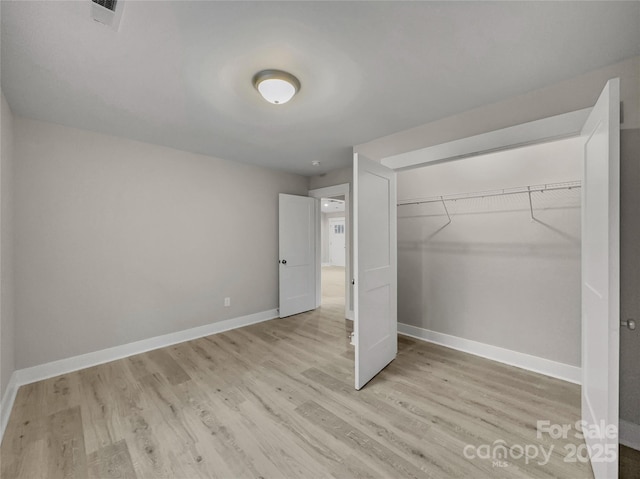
(67,365)
(630,434)
(24,376)
(7,402)
(536,364)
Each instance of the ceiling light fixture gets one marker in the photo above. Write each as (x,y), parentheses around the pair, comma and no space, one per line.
(276,86)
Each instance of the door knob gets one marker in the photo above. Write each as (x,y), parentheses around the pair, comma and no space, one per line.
(284,261)
(629,323)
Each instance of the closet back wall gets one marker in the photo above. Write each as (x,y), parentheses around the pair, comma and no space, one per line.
(118,240)
(492,275)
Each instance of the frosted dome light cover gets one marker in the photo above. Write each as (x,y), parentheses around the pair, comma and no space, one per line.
(276,86)
(276,91)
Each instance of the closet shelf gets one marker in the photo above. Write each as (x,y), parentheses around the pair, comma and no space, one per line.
(567,185)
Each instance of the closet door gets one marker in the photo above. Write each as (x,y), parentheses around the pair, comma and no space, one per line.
(375,266)
(601,281)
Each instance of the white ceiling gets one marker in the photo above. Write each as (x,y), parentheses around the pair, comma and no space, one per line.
(179,73)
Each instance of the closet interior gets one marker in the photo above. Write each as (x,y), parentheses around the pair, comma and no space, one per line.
(489,249)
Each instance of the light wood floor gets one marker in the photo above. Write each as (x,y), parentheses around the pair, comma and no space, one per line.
(275,400)
(333,286)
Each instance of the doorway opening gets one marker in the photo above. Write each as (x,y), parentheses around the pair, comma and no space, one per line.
(334,261)
(333,251)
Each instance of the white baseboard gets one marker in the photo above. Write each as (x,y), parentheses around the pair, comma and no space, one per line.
(547,367)
(67,365)
(630,434)
(7,402)
(325,264)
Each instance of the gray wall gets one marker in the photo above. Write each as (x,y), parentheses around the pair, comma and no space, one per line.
(7,326)
(492,275)
(118,240)
(575,94)
(630,274)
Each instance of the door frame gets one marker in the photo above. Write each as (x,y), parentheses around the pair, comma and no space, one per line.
(343,189)
(566,125)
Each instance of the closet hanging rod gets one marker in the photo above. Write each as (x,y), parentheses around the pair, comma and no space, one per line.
(567,185)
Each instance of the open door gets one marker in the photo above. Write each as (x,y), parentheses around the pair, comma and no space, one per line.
(375,266)
(297,237)
(601,281)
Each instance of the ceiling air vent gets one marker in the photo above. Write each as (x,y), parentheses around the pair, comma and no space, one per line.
(108,4)
(107,12)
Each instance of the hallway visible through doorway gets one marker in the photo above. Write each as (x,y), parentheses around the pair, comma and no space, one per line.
(333,286)
(333,251)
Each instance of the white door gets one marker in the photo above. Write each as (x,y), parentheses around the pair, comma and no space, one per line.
(601,280)
(336,241)
(375,265)
(297,236)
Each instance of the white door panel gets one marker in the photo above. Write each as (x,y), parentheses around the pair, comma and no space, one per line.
(375,265)
(600,278)
(297,236)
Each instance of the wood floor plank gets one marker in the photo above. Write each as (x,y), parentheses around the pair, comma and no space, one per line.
(67,455)
(235,440)
(353,468)
(369,403)
(278,401)
(403,434)
(165,408)
(27,424)
(168,366)
(290,458)
(355,439)
(62,392)
(97,409)
(35,461)
(111,462)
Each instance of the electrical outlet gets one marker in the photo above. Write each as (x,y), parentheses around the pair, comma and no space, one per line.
(227,302)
